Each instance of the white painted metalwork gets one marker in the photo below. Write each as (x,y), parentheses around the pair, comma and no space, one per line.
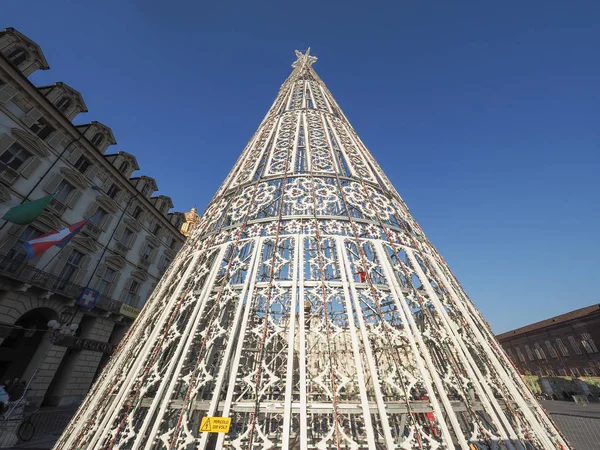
(309,307)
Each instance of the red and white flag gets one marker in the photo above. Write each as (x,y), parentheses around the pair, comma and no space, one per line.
(60,238)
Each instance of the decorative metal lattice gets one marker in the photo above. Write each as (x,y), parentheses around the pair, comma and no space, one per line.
(309,307)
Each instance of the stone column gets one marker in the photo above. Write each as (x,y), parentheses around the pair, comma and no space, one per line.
(76,379)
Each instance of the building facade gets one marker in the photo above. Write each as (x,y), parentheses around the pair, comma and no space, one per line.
(121,253)
(565,345)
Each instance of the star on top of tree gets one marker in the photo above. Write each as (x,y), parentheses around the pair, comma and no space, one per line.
(304,58)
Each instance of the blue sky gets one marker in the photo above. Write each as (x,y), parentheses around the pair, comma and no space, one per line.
(484,115)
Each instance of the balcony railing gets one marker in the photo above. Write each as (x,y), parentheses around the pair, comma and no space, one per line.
(57,206)
(121,249)
(92,230)
(25,273)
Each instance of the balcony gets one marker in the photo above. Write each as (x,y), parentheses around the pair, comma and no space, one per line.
(57,207)
(8,176)
(121,249)
(27,274)
(92,230)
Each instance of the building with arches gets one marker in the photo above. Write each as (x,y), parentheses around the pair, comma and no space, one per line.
(121,253)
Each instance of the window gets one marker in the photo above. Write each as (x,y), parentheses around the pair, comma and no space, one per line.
(124,168)
(63,191)
(69,269)
(551,350)
(113,191)
(529,353)
(136,212)
(14,156)
(97,139)
(520,354)
(173,242)
(17,56)
(539,352)
(82,164)
(148,251)
(98,217)
(562,372)
(130,298)
(575,345)
(588,343)
(157,229)
(563,349)
(106,281)
(575,372)
(42,128)
(589,371)
(126,236)
(146,190)
(63,104)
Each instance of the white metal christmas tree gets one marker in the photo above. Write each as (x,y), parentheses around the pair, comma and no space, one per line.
(309,307)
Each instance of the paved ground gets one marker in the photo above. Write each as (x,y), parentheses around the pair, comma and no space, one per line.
(579,424)
(571,408)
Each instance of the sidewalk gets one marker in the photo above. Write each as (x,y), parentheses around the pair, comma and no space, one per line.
(49,424)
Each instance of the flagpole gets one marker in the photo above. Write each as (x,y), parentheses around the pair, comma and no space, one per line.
(44,176)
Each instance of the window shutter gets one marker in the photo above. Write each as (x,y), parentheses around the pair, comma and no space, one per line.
(161,262)
(16,230)
(119,232)
(31,117)
(31,167)
(114,284)
(107,221)
(102,175)
(74,156)
(125,289)
(6,140)
(62,257)
(154,255)
(82,271)
(91,172)
(90,211)
(75,196)
(53,183)
(107,184)
(7,92)
(99,274)
(55,138)
(7,243)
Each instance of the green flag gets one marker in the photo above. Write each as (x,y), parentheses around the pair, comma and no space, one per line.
(27,212)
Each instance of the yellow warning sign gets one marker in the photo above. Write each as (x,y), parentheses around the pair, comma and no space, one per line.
(215,424)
